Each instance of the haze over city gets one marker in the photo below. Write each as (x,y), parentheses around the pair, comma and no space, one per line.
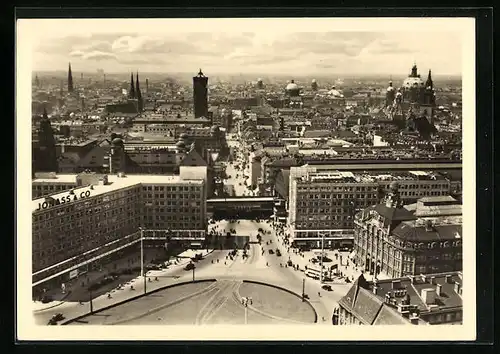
(249,46)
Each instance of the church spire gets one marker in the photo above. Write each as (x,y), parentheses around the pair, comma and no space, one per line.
(131,93)
(70,79)
(429,82)
(138,92)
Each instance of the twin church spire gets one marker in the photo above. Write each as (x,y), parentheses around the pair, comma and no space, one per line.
(135,90)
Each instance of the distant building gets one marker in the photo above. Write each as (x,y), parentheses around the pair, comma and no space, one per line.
(45,156)
(292,89)
(429,299)
(200,95)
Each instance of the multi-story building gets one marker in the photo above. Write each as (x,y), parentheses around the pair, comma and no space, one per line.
(393,241)
(429,299)
(77,227)
(45,184)
(323,202)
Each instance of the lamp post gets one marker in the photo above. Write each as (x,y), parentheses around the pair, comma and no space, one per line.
(194,267)
(303,289)
(91,305)
(246,301)
(322,255)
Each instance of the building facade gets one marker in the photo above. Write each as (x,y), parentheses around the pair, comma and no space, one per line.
(394,241)
(200,95)
(324,202)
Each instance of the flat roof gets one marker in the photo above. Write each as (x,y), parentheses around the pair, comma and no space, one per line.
(236,199)
(62,178)
(116,183)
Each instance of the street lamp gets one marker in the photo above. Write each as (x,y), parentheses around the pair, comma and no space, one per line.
(142,257)
(245,301)
(322,255)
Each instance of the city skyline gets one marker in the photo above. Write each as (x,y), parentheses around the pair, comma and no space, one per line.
(307,47)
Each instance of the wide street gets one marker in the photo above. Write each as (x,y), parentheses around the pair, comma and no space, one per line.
(260,265)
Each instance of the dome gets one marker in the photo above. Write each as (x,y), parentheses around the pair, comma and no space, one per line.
(259,80)
(313,81)
(412,81)
(183,136)
(292,86)
(117,141)
(180,144)
(214,129)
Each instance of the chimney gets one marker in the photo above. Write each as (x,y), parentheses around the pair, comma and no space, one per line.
(438,289)
(447,278)
(433,280)
(457,287)
(428,296)
(396,284)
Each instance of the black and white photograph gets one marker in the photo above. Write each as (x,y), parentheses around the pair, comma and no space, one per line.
(295,176)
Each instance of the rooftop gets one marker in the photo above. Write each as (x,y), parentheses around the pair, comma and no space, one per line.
(53,178)
(116,183)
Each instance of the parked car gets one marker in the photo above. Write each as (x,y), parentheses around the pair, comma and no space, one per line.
(278,253)
(189,266)
(271,252)
(326,287)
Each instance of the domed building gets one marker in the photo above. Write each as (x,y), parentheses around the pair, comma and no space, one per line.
(292,89)
(117,142)
(413,80)
(314,85)
(260,83)
(334,93)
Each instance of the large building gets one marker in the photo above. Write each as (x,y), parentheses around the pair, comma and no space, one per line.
(200,95)
(324,202)
(393,241)
(429,299)
(103,214)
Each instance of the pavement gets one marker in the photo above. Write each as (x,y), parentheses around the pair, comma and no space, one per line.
(175,271)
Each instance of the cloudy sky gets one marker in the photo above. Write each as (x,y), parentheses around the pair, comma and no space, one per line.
(308,46)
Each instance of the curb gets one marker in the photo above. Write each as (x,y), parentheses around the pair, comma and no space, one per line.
(135,298)
(52,306)
(288,291)
(69,292)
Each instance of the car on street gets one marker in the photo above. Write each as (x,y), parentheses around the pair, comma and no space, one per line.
(327,287)
(278,253)
(271,252)
(189,266)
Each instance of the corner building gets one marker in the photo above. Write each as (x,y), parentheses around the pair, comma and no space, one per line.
(396,242)
(324,201)
(75,228)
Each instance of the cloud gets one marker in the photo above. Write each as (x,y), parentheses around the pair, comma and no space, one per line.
(77,53)
(98,56)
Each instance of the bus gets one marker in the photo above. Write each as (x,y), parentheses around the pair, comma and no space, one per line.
(313,271)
